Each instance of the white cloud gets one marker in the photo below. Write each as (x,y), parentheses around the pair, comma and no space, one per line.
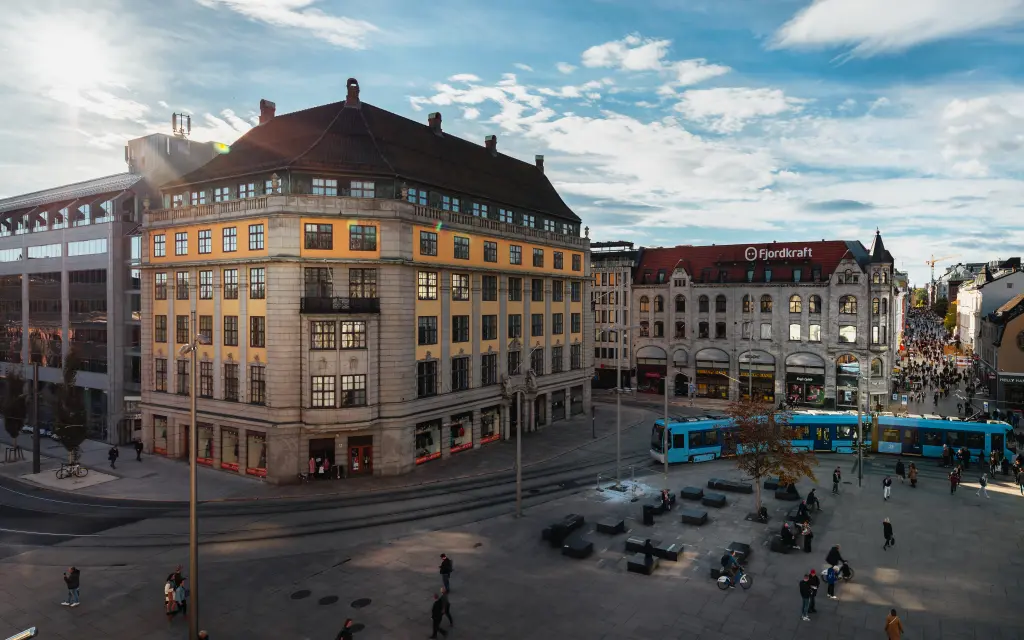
(225,128)
(524,67)
(463,77)
(690,72)
(301,14)
(728,109)
(470,113)
(565,67)
(632,53)
(162,104)
(873,27)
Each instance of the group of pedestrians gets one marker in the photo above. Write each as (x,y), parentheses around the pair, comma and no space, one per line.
(837,569)
(442,606)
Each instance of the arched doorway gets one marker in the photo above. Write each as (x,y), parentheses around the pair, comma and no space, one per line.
(805,380)
(712,374)
(847,381)
(681,360)
(757,374)
(651,369)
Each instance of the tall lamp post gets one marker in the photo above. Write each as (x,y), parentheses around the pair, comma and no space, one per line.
(529,385)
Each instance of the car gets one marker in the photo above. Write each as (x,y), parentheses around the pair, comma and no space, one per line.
(26,428)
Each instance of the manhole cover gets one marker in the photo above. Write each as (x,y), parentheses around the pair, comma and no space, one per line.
(303,593)
(357,627)
(360,603)
(328,599)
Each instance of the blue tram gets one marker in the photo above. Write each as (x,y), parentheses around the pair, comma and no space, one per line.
(707,437)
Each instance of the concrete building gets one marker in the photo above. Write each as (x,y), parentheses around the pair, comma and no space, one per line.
(611,264)
(903,297)
(377,293)
(796,321)
(1001,355)
(69,279)
(975,300)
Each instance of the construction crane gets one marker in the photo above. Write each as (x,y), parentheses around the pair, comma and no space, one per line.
(931,263)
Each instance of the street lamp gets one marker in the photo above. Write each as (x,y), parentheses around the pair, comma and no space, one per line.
(519,430)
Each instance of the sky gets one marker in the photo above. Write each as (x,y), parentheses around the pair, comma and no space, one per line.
(662,122)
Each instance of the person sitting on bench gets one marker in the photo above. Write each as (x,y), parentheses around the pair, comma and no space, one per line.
(666,501)
(762,514)
(802,515)
(788,539)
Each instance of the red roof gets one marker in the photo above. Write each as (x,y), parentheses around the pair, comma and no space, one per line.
(730,262)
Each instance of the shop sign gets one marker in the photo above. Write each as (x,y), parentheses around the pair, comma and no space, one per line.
(259,473)
(763,375)
(811,379)
(428,457)
(1011,379)
(764,253)
(491,438)
(207,461)
(462,447)
(230,466)
(711,372)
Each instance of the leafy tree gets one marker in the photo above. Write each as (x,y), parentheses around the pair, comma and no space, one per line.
(920,297)
(940,307)
(69,412)
(950,320)
(765,448)
(14,405)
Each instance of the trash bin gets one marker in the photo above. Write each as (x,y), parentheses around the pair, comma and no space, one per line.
(648,514)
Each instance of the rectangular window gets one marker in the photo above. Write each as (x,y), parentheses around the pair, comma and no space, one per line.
(246,190)
(794,332)
(766,331)
(460,286)
(428,243)
(515,254)
(479,210)
(576,323)
(557,291)
(325,187)
(322,392)
(537,290)
(181,332)
(206,327)
(426,285)
(178,201)
(319,236)
(449,203)
(257,331)
(488,369)
(184,386)
(461,248)
(506,215)
(269,188)
(814,333)
(538,257)
(490,251)
(353,391)
(160,375)
(577,262)
(427,330)
(362,189)
(515,360)
(557,324)
(362,283)
(557,360)
(160,328)
(181,286)
(257,283)
(515,326)
(323,335)
(529,221)
(159,246)
(206,285)
(460,373)
(558,259)
(515,289)
(576,291)
(536,324)
(426,379)
(537,361)
(362,237)
(353,334)
(181,243)
(255,237)
(205,379)
(221,194)
(848,333)
(550,225)
(206,241)
(489,327)
(229,239)
(874,335)
(257,384)
(417,196)
(230,331)
(489,288)
(160,286)
(231,284)
(576,356)
(460,328)
(198,198)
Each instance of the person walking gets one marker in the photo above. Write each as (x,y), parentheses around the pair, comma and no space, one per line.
(837,476)
(447,605)
(138,450)
(886,487)
(954,479)
(446,572)
(181,598)
(913,475)
(887,532)
(983,482)
(346,631)
(815,583)
(169,606)
(900,470)
(72,580)
(436,613)
(808,535)
(893,626)
(805,596)
(831,577)
(112,456)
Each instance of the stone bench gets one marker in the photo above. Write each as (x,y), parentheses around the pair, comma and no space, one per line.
(577,547)
(635,544)
(668,551)
(793,515)
(695,516)
(713,500)
(778,546)
(771,484)
(611,527)
(730,485)
(638,564)
(742,551)
(785,494)
(557,533)
(691,493)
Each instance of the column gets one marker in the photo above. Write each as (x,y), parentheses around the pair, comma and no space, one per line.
(477,417)
(217,454)
(505,425)
(475,333)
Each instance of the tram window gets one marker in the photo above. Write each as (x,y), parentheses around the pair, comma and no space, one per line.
(955,438)
(801,433)
(696,439)
(931,438)
(710,438)
(845,432)
(678,440)
(975,440)
(890,435)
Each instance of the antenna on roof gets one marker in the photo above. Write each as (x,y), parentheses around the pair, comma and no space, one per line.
(181,125)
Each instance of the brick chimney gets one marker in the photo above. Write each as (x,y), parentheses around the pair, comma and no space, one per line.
(434,120)
(352,99)
(267,110)
(491,142)
(540,162)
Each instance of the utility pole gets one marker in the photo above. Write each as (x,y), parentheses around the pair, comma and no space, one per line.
(35,417)
(618,380)
(519,455)
(664,445)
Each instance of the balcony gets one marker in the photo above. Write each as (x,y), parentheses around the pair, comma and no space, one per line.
(339,305)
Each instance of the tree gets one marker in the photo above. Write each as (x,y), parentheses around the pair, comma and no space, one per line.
(940,307)
(14,405)
(69,412)
(920,297)
(950,320)
(766,445)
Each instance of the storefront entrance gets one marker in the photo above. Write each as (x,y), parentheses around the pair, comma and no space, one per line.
(321,450)
(651,368)
(757,376)
(682,386)
(847,382)
(360,456)
(805,380)
(712,374)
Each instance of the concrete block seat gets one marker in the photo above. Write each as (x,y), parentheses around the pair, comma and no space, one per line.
(778,546)
(638,564)
(557,533)
(695,516)
(577,547)
(611,527)
(691,493)
(668,551)
(730,485)
(783,493)
(635,544)
(742,551)
(713,500)
(771,484)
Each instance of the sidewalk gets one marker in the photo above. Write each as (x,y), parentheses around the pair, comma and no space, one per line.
(161,479)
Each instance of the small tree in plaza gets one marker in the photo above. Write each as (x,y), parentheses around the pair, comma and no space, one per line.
(69,412)
(765,446)
(14,405)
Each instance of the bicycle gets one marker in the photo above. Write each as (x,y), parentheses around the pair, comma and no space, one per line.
(742,578)
(69,470)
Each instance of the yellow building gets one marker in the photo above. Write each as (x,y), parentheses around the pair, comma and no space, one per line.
(374,292)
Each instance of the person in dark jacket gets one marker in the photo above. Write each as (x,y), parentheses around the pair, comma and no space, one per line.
(346,631)
(648,552)
(812,501)
(900,470)
(837,476)
(808,535)
(446,572)
(805,595)
(138,450)
(802,515)
(436,613)
(887,531)
(815,583)
(447,607)
(72,579)
(834,557)
(112,456)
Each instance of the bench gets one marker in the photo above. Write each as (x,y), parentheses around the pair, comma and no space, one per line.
(713,500)
(635,544)
(778,546)
(691,493)
(695,516)
(611,527)
(742,551)
(713,482)
(771,484)
(730,485)
(786,494)
(557,533)
(638,564)
(577,547)
(668,551)
(793,515)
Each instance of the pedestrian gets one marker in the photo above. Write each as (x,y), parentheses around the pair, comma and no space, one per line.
(176,578)
(436,614)
(815,583)
(808,536)
(802,515)
(886,487)
(138,450)
(812,500)
(346,631)
(887,532)
(831,577)
(837,476)
(805,596)
(648,552)
(447,607)
(913,476)
(900,470)
(983,481)
(112,456)
(72,580)
(180,598)
(169,607)
(893,626)
(446,572)
(1020,482)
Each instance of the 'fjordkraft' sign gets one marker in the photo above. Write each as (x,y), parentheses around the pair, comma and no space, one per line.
(753,253)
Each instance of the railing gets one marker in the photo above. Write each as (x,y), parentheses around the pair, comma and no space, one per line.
(339,305)
(494,225)
(203,210)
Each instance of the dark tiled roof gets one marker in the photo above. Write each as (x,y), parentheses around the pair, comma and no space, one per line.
(371,141)
(1013,302)
(731,258)
(115,183)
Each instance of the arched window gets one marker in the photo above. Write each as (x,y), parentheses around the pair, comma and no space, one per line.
(680,330)
(702,304)
(849,276)
(645,304)
(680,304)
(848,304)
(885,306)
(645,330)
(748,304)
(874,306)
(814,304)
(883,276)
(795,304)
(766,304)
(659,304)
(720,304)
(876,279)
(876,368)
(659,329)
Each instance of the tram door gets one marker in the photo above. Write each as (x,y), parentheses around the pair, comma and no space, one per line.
(823,438)
(911,441)
(997,444)
(728,443)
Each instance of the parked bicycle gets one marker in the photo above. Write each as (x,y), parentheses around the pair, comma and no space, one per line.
(68,470)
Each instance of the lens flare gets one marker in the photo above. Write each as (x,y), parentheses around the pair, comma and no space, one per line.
(438,227)
(221,148)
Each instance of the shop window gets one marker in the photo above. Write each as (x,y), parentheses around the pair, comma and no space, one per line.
(703,304)
(766,304)
(256,454)
(460,433)
(720,304)
(680,304)
(428,441)
(814,304)
(795,304)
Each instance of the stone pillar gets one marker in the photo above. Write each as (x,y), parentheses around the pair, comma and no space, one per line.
(506,424)
(217,453)
(477,418)
(243,447)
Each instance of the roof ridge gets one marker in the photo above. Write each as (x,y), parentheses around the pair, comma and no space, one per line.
(373,138)
(319,139)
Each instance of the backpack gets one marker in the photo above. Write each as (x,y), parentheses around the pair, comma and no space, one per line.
(725,560)
(830,575)
(982,481)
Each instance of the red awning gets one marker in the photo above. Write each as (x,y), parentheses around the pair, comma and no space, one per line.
(651,374)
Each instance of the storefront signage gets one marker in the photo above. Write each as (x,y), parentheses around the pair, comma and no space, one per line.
(491,438)
(753,253)
(428,458)
(1011,379)
(230,466)
(811,379)
(207,461)
(711,372)
(761,375)
(259,473)
(462,447)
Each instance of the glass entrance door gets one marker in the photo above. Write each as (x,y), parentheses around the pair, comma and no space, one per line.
(360,460)
(911,441)
(823,439)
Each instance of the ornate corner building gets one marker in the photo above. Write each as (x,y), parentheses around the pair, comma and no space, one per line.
(374,292)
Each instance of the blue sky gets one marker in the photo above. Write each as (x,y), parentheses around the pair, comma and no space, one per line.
(662,121)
